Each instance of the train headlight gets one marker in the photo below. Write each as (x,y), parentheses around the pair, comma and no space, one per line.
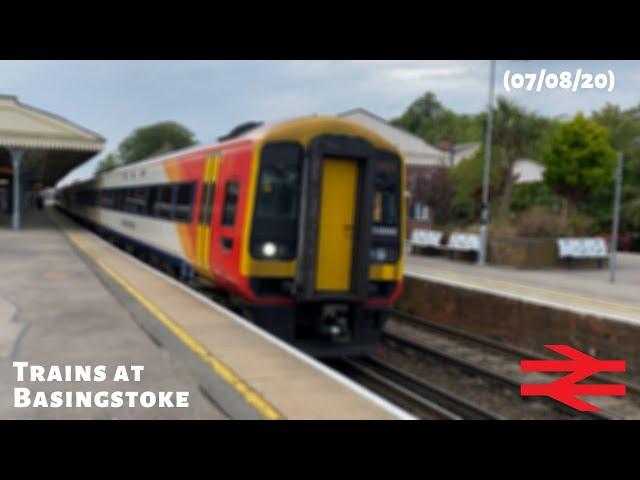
(379,254)
(269,249)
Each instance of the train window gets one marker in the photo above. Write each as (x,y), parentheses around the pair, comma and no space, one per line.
(136,199)
(118,198)
(386,205)
(275,220)
(203,203)
(385,238)
(125,203)
(107,199)
(278,188)
(86,198)
(151,200)
(164,202)
(206,203)
(114,198)
(230,203)
(184,202)
(385,208)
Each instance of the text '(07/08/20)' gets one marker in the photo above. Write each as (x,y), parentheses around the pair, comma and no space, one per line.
(566,80)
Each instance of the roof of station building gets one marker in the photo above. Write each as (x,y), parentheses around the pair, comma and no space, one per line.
(52,144)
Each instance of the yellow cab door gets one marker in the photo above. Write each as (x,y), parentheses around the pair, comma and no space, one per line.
(337,217)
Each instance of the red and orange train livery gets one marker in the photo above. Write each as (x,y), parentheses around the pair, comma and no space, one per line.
(300,223)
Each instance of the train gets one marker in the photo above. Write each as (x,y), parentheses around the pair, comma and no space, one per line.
(298,224)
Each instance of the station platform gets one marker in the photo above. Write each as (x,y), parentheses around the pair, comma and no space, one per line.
(55,311)
(580,290)
(67,297)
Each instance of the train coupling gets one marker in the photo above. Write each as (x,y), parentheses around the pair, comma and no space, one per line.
(334,322)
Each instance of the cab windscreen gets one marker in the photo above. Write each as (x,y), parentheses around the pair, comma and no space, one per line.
(275,220)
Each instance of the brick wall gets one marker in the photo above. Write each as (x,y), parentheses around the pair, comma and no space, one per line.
(522,323)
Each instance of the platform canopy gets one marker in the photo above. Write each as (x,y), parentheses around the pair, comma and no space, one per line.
(52,146)
(37,149)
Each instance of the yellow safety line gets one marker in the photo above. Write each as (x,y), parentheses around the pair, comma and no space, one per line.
(479,281)
(252,397)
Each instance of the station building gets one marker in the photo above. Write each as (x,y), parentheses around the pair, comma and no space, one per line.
(37,149)
(423,160)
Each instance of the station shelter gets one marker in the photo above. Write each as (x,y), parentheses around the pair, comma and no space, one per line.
(37,149)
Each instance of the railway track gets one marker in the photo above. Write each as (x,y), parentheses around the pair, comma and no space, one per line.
(422,398)
(494,344)
(395,341)
(468,351)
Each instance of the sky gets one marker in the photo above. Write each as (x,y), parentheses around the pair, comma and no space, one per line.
(113,98)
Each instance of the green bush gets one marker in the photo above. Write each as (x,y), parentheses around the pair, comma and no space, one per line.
(464,211)
(534,194)
(580,161)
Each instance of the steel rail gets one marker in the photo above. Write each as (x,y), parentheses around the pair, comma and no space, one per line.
(498,345)
(419,391)
(475,369)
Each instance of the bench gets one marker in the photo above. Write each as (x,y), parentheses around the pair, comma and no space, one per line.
(582,248)
(456,242)
(463,242)
(421,238)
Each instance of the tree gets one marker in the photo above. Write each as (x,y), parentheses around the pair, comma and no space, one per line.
(534,194)
(107,163)
(631,208)
(630,211)
(467,177)
(435,189)
(580,161)
(153,139)
(427,107)
(516,132)
(429,119)
(624,127)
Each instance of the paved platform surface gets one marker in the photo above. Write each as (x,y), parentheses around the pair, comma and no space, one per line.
(586,290)
(55,311)
(236,364)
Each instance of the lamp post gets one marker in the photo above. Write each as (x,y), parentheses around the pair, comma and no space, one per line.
(16,156)
(616,220)
(484,212)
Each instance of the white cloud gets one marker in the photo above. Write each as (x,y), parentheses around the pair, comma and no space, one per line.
(210,97)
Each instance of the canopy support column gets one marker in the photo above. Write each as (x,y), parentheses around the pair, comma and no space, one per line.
(16,156)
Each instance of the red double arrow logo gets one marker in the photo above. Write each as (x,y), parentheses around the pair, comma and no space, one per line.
(566,389)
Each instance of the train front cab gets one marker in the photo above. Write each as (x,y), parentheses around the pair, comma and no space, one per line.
(324,254)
